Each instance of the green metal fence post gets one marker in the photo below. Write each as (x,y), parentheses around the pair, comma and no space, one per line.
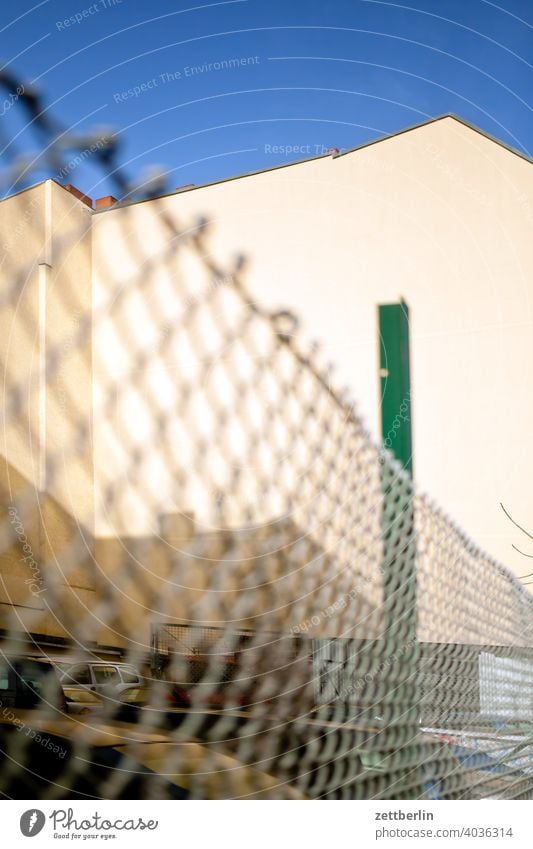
(395,380)
(398,525)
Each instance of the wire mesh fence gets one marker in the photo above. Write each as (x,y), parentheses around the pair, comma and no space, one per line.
(214,584)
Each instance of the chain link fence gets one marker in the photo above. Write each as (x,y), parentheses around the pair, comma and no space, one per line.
(185,493)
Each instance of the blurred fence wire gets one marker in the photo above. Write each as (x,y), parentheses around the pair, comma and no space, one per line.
(185,491)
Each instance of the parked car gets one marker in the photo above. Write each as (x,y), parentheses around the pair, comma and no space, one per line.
(81,702)
(133,704)
(106,679)
(29,682)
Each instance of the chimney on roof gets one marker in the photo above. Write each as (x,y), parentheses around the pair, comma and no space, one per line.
(104,202)
(76,192)
(185,186)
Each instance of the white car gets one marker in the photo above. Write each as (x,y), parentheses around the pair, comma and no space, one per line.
(81,702)
(100,677)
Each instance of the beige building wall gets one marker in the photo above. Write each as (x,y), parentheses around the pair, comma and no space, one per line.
(46,474)
(69,472)
(22,278)
(45,344)
(440,215)
(125,350)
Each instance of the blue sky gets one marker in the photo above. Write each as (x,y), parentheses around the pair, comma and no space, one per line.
(287,79)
